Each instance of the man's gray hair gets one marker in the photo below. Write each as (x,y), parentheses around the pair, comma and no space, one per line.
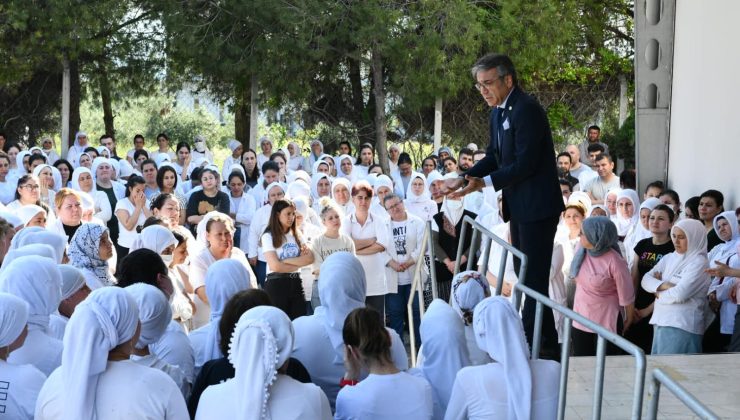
(501,62)
(391,196)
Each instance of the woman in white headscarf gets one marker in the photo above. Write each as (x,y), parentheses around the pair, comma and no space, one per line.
(200,149)
(234,160)
(680,283)
(468,289)
(721,288)
(38,282)
(320,187)
(24,381)
(154,317)
(89,250)
(418,200)
(640,230)
(97,379)
(19,168)
(260,348)
(78,148)
(434,190)
(319,345)
(341,192)
(46,193)
(316,154)
(7,183)
(223,280)
(295,160)
(82,180)
(54,240)
(524,389)
(445,352)
(74,291)
(346,168)
(628,214)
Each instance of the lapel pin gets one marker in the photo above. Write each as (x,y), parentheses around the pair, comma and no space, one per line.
(509,108)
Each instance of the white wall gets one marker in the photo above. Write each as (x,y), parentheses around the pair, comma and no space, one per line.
(704,147)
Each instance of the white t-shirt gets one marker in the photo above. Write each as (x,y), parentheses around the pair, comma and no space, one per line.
(19,388)
(396,396)
(126,390)
(126,237)
(289,400)
(288,249)
(480,392)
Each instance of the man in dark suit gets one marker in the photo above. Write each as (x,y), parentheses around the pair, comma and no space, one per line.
(520,161)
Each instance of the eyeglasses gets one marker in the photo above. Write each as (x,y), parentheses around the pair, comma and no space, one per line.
(487,84)
(31,187)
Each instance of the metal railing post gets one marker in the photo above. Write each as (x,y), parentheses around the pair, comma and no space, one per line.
(564,365)
(599,377)
(485,254)
(659,377)
(473,249)
(417,287)
(463,234)
(432,269)
(537,334)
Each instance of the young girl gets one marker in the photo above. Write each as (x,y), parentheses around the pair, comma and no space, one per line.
(211,198)
(251,170)
(285,255)
(331,241)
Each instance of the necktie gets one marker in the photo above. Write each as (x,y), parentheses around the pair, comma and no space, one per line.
(499,127)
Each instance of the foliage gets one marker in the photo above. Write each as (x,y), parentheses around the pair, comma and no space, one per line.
(621,140)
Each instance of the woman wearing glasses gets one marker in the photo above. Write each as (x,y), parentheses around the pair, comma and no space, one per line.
(28,193)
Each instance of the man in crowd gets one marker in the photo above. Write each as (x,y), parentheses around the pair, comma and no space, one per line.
(564,162)
(605,181)
(579,170)
(110,143)
(593,136)
(464,160)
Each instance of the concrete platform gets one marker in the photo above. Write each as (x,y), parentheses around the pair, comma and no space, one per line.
(712,379)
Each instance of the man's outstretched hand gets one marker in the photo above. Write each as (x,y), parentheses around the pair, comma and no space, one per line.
(451,186)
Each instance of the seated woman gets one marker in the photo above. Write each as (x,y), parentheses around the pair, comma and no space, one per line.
(603,285)
(259,350)
(435,191)
(320,187)
(95,362)
(209,199)
(444,352)
(131,212)
(27,193)
(82,180)
(167,183)
(347,168)
(38,282)
(69,213)
(512,387)
(154,317)
(319,344)
(224,279)
(26,380)
(418,200)
(468,289)
(680,285)
(74,291)
(89,251)
(647,253)
(386,393)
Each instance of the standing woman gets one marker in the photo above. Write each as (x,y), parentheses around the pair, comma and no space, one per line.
(251,169)
(16,165)
(569,239)
(365,158)
(340,192)
(183,163)
(316,153)
(371,235)
(418,201)
(320,187)
(285,255)
(680,284)
(98,343)
(329,242)
(647,253)
(27,193)
(603,285)
(347,168)
(82,180)
(209,199)
(241,209)
(295,162)
(131,212)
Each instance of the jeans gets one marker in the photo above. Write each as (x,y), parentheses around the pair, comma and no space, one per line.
(395,304)
(671,340)
(260,271)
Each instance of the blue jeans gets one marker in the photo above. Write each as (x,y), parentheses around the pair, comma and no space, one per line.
(671,340)
(260,271)
(395,306)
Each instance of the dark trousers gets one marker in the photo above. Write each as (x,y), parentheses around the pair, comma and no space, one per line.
(735,339)
(377,303)
(584,344)
(396,305)
(260,271)
(535,240)
(286,292)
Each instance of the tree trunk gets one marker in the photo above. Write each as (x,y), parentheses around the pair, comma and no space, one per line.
(75,97)
(105,99)
(241,113)
(379,93)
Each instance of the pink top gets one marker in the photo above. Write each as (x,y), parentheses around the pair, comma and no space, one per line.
(603,285)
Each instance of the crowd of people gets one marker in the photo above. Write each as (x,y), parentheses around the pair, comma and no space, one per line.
(158,285)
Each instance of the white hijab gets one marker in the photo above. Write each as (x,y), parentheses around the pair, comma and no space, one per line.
(340,172)
(468,289)
(19,162)
(37,250)
(155,313)
(420,198)
(23,232)
(74,180)
(498,331)
(107,318)
(723,250)
(53,239)
(624,224)
(315,179)
(696,235)
(342,288)
(38,282)
(155,237)
(13,318)
(265,197)
(72,280)
(445,349)
(28,212)
(224,279)
(318,163)
(262,342)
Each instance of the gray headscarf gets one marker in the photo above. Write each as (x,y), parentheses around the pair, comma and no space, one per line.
(601,232)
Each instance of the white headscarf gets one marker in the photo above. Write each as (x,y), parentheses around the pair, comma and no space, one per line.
(28,212)
(265,197)
(340,172)
(319,163)
(23,232)
(432,177)
(696,235)
(580,197)
(57,177)
(624,224)
(154,312)
(299,175)
(72,280)
(318,176)
(233,144)
(638,232)
(19,162)
(84,251)
(13,318)
(452,213)
(420,198)
(106,319)
(155,237)
(445,349)
(723,250)
(12,219)
(344,182)
(38,282)
(161,158)
(342,288)
(37,170)
(55,240)
(262,342)
(468,289)
(200,230)
(38,250)
(296,159)
(382,181)
(94,168)
(498,331)
(224,279)
(298,189)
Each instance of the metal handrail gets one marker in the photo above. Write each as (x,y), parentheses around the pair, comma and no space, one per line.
(488,238)
(604,335)
(427,246)
(660,377)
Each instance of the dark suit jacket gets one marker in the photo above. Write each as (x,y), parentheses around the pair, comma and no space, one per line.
(525,166)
